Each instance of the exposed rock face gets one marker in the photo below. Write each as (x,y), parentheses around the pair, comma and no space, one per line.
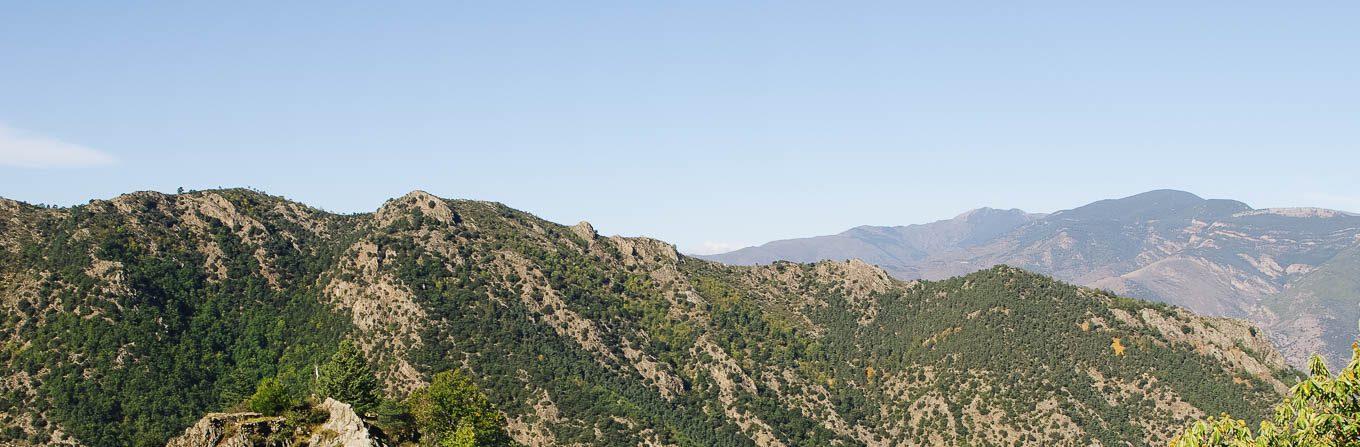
(234,430)
(343,428)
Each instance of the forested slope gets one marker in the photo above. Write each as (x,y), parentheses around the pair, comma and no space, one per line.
(125,320)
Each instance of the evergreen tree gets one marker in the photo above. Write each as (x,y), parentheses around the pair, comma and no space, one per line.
(395,419)
(347,378)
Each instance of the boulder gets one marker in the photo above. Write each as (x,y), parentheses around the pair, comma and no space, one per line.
(343,428)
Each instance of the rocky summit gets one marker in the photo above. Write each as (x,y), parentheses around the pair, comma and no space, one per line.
(125,321)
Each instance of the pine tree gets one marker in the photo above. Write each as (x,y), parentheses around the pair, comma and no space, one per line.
(347,378)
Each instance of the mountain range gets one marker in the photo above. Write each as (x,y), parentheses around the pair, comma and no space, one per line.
(125,320)
(1293,271)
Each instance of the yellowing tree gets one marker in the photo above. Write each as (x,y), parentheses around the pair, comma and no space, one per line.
(1321,411)
(1117,347)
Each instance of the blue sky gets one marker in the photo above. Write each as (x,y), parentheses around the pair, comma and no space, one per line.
(708,124)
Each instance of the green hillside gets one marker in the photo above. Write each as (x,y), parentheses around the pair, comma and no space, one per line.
(125,320)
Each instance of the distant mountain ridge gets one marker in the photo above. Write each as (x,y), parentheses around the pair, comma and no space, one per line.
(889,247)
(1219,257)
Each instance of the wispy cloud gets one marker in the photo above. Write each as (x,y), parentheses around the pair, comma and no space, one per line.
(27,150)
(713,248)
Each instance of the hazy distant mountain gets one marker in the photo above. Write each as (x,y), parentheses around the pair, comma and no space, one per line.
(896,249)
(1293,270)
(122,321)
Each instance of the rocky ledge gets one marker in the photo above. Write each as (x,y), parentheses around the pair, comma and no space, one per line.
(342,428)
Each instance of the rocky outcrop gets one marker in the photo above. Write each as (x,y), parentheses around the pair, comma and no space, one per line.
(235,430)
(343,428)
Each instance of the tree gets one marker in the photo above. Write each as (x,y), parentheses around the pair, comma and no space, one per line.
(465,436)
(452,411)
(346,377)
(395,419)
(1320,411)
(270,398)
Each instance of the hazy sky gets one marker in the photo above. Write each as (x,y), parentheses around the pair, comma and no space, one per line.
(705,124)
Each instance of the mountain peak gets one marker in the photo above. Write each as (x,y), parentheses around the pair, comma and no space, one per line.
(1156,205)
(985,212)
(418,201)
(1158,198)
(585,230)
(1166,194)
(418,195)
